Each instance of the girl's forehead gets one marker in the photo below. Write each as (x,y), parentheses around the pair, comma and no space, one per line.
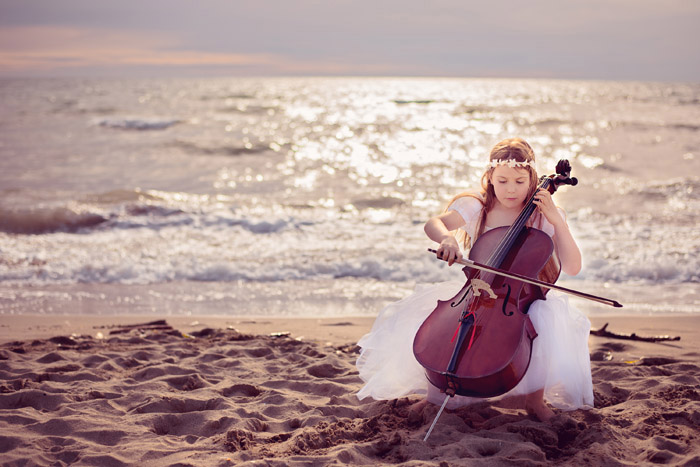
(510,172)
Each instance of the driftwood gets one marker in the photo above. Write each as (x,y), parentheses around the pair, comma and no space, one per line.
(160,325)
(603,332)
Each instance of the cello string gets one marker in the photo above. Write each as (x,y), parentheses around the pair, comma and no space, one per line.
(513,231)
(504,246)
(498,255)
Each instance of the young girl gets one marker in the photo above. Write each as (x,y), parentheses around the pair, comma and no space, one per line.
(559,370)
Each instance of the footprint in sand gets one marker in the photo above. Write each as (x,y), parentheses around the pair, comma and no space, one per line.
(241,390)
(186,382)
(325,370)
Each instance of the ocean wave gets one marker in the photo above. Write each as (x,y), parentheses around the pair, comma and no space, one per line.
(140,124)
(250,109)
(227,150)
(39,220)
(135,209)
(662,270)
(223,97)
(546,122)
(177,261)
(157,218)
(120,196)
(645,126)
(392,268)
(413,101)
(262,227)
(473,109)
(686,188)
(384,202)
(146,268)
(151,237)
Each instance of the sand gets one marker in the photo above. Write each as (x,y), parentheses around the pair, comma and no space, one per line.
(81,390)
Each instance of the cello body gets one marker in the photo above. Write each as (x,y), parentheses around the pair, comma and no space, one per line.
(479,342)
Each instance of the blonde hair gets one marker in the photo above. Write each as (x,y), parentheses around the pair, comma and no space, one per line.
(519,150)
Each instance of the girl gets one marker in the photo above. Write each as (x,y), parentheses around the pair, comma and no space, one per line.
(559,369)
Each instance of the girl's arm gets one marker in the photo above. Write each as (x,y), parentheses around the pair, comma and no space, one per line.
(566,247)
(439,229)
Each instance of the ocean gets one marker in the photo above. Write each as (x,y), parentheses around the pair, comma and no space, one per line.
(307,196)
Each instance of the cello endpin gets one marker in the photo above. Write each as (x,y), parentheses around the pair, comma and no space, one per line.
(444,403)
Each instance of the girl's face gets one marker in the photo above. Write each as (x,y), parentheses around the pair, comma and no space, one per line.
(511,185)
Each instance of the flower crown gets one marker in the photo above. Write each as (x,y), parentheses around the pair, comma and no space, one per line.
(512,163)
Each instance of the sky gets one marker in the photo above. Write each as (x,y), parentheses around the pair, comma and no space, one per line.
(646,40)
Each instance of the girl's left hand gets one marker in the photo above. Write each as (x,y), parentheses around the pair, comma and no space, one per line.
(545,203)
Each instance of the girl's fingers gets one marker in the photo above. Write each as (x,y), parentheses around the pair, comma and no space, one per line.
(448,255)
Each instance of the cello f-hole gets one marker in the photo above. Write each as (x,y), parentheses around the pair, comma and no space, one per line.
(505,302)
(466,292)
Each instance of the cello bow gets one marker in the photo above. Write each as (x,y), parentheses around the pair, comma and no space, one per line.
(529,280)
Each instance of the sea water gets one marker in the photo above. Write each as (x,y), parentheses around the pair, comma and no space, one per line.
(307,196)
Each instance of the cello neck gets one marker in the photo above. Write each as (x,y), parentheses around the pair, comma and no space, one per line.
(500,252)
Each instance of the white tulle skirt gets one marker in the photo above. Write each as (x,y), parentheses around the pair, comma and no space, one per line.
(560,361)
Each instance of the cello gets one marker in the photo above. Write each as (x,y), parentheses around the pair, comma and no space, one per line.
(479,342)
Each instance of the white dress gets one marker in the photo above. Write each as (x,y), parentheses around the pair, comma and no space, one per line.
(560,361)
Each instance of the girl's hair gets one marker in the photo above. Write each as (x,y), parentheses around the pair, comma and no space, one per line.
(519,150)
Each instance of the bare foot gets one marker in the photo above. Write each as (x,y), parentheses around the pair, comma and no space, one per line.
(415,412)
(540,410)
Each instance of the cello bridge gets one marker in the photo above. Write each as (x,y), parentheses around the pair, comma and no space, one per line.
(478,286)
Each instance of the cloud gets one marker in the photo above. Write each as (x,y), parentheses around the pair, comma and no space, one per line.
(46,49)
(41,48)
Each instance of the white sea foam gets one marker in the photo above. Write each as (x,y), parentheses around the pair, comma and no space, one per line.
(154,244)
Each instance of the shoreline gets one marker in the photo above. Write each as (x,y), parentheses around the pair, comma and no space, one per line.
(332,330)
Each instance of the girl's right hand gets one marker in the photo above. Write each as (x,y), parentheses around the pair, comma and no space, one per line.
(449,250)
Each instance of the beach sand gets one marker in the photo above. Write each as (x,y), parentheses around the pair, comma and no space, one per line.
(200,391)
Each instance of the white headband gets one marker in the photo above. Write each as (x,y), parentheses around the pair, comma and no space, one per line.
(512,163)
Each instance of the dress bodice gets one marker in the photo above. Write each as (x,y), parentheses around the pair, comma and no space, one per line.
(470,209)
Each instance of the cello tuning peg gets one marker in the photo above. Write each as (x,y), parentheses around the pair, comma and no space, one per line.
(563,167)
